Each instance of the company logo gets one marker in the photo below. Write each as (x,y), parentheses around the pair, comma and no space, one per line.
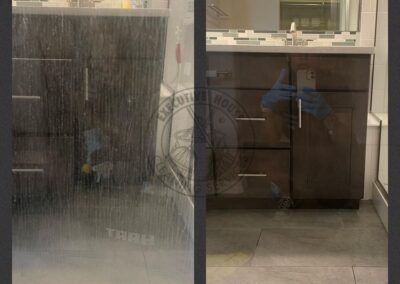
(205,120)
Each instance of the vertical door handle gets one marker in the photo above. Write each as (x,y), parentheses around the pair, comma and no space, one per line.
(299,102)
(86,84)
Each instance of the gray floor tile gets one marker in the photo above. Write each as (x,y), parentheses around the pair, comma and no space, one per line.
(40,269)
(93,239)
(321,247)
(234,219)
(231,247)
(365,217)
(171,277)
(371,275)
(309,219)
(279,275)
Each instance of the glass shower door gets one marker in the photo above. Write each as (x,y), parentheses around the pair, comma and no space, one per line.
(89,202)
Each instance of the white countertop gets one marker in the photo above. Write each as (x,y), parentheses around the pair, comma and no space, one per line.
(292,49)
(91,11)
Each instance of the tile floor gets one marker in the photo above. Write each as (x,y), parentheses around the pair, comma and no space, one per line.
(85,240)
(296,246)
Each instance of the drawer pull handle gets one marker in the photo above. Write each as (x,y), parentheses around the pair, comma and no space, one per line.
(86,81)
(252,175)
(300,113)
(26,97)
(219,74)
(28,170)
(250,118)
(40,59)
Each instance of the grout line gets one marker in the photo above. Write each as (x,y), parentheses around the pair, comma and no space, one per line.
(259,238)
(254,252)
(354,275)
(146,265)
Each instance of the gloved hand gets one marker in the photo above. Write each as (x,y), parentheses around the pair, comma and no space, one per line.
(279,92)
(314,103)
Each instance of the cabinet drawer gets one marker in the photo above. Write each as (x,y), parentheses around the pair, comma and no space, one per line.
(333,72)
(42,36)
(244,70)
(29,184)
(249,125)
(43,159)
(42,97)
(123,37)
(253,173)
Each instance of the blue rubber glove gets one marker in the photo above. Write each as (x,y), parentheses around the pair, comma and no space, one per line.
(279,92)
(314,103)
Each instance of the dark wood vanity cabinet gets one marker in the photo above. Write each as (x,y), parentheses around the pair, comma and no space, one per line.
(308,150)
(73,73)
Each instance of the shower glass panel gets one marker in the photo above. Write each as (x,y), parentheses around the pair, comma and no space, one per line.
(95,200)
(383,153)
(380,89)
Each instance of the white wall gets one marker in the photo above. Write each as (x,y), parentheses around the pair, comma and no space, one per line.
(368,22)
(380,86)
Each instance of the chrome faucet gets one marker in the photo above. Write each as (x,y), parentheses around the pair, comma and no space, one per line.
(293,31)
(296,41)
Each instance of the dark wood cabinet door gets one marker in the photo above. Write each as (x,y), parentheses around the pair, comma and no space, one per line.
(120,102)
(329,145)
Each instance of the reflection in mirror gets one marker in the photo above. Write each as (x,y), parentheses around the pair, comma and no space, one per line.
(272,15)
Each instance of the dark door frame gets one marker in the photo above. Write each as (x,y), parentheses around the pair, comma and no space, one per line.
(5,142)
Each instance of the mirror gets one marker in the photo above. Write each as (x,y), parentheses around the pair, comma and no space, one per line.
(273,15)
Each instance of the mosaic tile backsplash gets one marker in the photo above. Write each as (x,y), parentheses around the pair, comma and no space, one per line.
(280,38)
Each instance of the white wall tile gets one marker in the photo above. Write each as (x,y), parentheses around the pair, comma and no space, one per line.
(368,5)
(383,6)
(380,78)
(368,25)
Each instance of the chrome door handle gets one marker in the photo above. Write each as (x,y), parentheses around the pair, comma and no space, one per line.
(86,84)
(299,102)
(250,118)
(252,175)
(26,97)
(28,170)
